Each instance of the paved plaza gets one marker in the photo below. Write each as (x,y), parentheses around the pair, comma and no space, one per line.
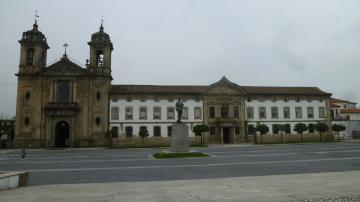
(233,172)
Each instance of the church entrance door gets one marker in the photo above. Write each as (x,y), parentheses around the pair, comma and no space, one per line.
(226,135)
(62,134)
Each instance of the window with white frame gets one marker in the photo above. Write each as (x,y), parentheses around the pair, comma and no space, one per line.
(185,113)
(236,112)
(157,113)
(274,113)
(310,112)
(298,112)
(114,113)
(143,113)
(286,112)
(262,112)
(128,113)
(321,112)
(250,112)
(170,113)
(197,113)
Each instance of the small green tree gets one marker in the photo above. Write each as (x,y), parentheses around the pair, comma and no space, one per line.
(263,129)
(338,128)
(321,128)
(300,128)
(143,132)
(199,129)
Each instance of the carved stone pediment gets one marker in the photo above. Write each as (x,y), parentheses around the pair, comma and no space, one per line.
(224,86)
(64,67)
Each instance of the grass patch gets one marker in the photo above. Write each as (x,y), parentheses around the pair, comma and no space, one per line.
(126,146)
(163,155)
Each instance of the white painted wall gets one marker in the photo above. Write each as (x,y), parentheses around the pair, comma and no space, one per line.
(150,122)
(280,104)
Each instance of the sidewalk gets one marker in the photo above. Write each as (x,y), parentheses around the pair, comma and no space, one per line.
(297,187)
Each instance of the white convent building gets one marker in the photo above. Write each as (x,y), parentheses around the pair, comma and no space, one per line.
(231,111)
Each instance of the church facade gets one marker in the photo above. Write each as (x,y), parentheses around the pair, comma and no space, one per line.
(62,105)
(66,105)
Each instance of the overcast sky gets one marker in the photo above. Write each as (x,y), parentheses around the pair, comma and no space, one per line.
(196,42)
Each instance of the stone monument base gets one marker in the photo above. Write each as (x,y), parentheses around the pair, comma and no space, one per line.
(180,138)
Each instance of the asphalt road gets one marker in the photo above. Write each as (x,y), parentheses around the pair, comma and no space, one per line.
(127,165)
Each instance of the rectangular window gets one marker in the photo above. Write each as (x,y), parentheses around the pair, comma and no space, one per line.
(170,113)
(157,131)
(310,112)
(157,113)
(236,112)
(212,112)
(143,113)
(274,113)
(250,112)
(185,113)
(321,112)
(114,131)
(128,131)
(128,113)
(169,129)
(197,113)
(298,112)
(114,113)
(262,112)
(224,111)
(311,128)
(287,128)
(212,130)
(286,112)
(251,130)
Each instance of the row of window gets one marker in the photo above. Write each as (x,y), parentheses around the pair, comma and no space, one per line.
(286,112)
(143,113)
(224,112)
(276,99)
(129,131)
(155,99)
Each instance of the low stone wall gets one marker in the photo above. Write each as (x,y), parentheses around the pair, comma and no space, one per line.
(10,180)
(291,138)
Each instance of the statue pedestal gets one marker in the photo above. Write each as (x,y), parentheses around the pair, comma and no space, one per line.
(180,138)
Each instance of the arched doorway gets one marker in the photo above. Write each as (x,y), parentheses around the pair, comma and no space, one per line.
(62,134)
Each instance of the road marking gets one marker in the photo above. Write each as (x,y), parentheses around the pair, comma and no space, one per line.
(326,152)
(82,156)
(192,165)
(252,155)
(276,150)
(26,161)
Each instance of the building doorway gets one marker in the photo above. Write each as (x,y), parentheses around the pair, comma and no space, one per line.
(62,134)
(226,135)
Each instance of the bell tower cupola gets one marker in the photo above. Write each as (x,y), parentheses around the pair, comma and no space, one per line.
(100,51)
(33,50)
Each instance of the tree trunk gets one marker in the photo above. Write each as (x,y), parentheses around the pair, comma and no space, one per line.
(320,137)
(301,137)
(262,140)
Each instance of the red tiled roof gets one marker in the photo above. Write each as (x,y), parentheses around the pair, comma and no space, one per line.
(162,89)
(264,90)
(349,110)
(340,100)
(157,89)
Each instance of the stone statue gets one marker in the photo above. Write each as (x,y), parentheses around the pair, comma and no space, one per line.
(179,108)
